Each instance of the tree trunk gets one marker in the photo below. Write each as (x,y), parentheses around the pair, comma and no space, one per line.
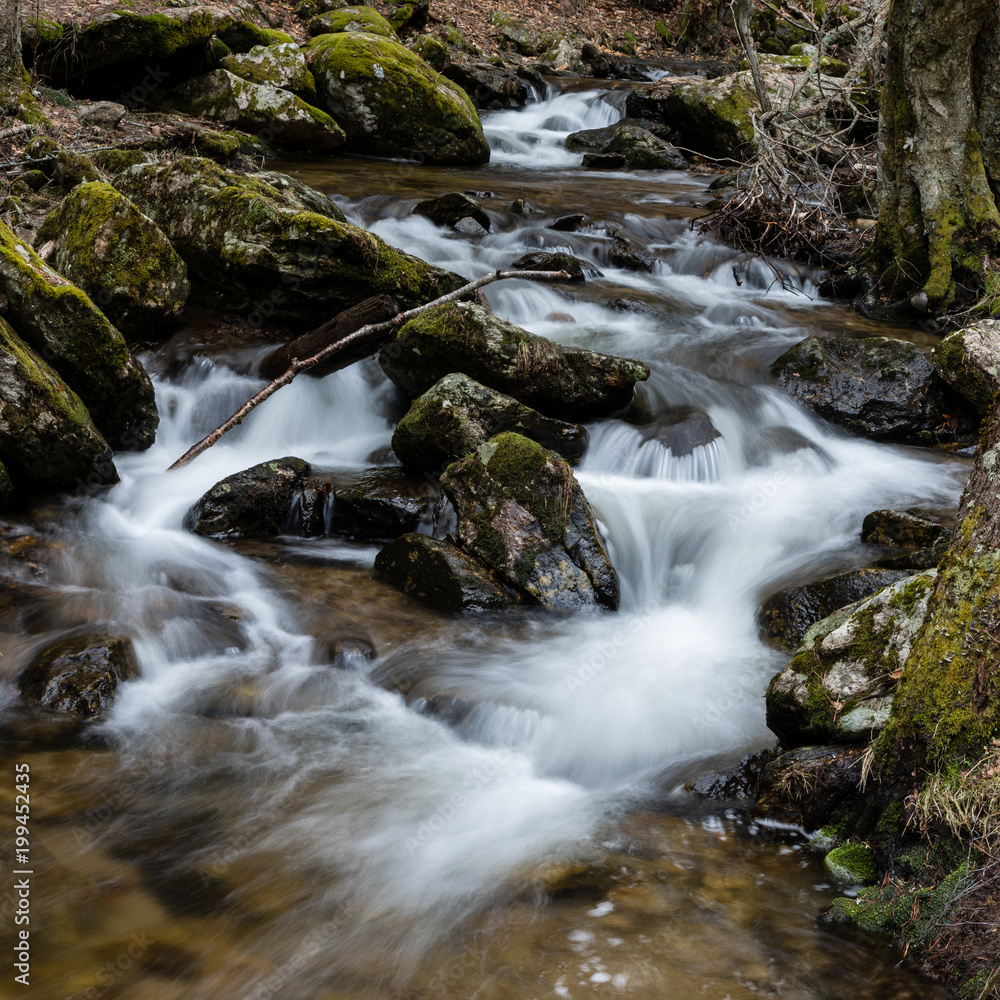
(11,65)
(948,703)
(938,151)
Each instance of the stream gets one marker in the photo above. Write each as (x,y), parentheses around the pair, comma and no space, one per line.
(264,819)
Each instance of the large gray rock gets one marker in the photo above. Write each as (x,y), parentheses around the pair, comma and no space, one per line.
(457,414)
(61,324)
(281,65)
(440,574)
(47,438)
(839,686)
(278,116)
(391,103)
(564,382)
(117,255)
(522,513)
(252,245)
(969,361)
(876,387)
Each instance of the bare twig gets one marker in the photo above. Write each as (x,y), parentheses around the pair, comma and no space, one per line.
(300,365)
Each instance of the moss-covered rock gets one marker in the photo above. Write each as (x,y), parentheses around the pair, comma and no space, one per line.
(594,140)
(839,686)
(433,52)
(391,103)
(281,66)
(79,674)
(256,502)
(107,247)
(522,513)
(357,18)
(456,415)
(632,147)
(306,10)
(252,245)
(278,116)
(525,41)
(440,574)
(409,17)
(851,864)
(969,361)
(564,382)
(539,260)
(801,59)
(62,324)
(877,387)
(47,439)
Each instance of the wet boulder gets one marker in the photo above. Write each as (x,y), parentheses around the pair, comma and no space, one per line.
(839,686)
(810,787)
(61,323)
(629,252)
(377,504)
(541,260)
(522,513)
(635,148)
(391,103)
(440,574)
(969,361)
(457,414)
(281,65)
(79,674)
(118,256)
(909,541)
(562,382)
(356,18)
(681,431)
(492,88)
(277,115)
(593,140)
(256,502)
(877,387)
(450,209)
(786,617)
(47,438)
(248,243)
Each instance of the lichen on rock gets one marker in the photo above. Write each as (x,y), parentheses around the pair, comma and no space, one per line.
(281,65)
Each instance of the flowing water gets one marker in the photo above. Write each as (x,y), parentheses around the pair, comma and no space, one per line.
(262,820)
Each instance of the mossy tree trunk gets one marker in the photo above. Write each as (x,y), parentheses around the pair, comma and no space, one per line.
(11,65)
(947,706)
(939,152)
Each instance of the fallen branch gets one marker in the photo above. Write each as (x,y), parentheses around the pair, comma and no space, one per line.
(300,365)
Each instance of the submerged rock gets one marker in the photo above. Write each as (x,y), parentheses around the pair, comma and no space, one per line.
(839,686)
(877,387)
(391,103)
(80,674)
(61,324)
(969,361)
(521,511)
(449,209)
(440,574)
(254,245)
(277,115)
(47,438)
(118,256)
(256,502)
(457,414)
(682,431)
(462,337)
(786,617)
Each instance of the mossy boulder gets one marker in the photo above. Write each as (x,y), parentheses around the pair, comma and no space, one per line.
(851,864)
(632,147)
(61,323)
(457,414)
(409,17)
(525,41)
(358,18)
(593,140)
(256,502)
(788,615)
(440,574)
(281,66)
(434,52)
(969,361)
(522,513)
(276,115)
(254,245)
(800,60)
(391,103)
(118,256)
(79,674)
(47,439)
(306,10)
(839,686)
(563,382)
(876,387)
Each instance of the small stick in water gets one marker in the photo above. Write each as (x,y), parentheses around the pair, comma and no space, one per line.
(302,364)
